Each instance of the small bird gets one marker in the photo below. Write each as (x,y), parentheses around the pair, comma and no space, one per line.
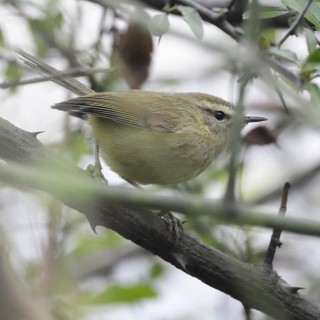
(150,137)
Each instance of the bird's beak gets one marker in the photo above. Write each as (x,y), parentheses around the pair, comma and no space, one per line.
(254,119)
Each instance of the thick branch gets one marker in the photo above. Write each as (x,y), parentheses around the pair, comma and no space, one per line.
(253,285)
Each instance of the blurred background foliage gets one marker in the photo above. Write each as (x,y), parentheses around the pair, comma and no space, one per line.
(114,45)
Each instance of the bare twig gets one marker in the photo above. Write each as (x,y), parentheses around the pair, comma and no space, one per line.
(275,238)
(295,23)
(97,45)
(279,92)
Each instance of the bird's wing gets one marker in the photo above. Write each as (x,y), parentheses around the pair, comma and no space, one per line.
(129,108)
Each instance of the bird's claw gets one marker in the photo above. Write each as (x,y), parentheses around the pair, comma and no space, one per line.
(96,173)
(175,226)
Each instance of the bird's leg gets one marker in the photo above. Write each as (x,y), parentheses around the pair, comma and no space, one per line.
(134,184)
(96,169)
(174,225)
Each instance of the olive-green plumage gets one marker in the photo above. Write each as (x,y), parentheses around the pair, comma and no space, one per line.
(150,137)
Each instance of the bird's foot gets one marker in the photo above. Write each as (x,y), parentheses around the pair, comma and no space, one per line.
(96,172)
(175,226)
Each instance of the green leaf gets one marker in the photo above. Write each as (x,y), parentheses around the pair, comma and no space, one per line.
(267,13)
(311,63)
(193,19)
(159,24)
(311,40)
(283,53)
(313,13)
(123,294)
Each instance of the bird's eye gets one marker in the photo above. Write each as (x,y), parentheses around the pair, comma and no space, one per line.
(219,115)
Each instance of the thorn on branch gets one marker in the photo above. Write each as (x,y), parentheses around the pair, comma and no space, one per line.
(36,133)
(275,238)
(295,290)
(247,311)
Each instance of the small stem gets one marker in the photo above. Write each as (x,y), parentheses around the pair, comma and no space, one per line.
(275,238)
(235,139)
(231,4)
(295,23)
(280,95)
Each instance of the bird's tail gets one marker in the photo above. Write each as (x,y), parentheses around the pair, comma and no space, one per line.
(55,75)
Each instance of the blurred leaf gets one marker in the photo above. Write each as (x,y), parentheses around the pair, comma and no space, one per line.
(44,29)
(74,146)
(267,12)
(57,20)
(78,144)
(64,308)
(159,24)
(193,19)
(61,282)
(260,136)
(311,40)
(310,64)
(258,256)
(123,294)
(133,54)
(156,270)
(314,91)
(13,72)
(267,37)
(283,53)
(90,243)
(313,13)
(2,41)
